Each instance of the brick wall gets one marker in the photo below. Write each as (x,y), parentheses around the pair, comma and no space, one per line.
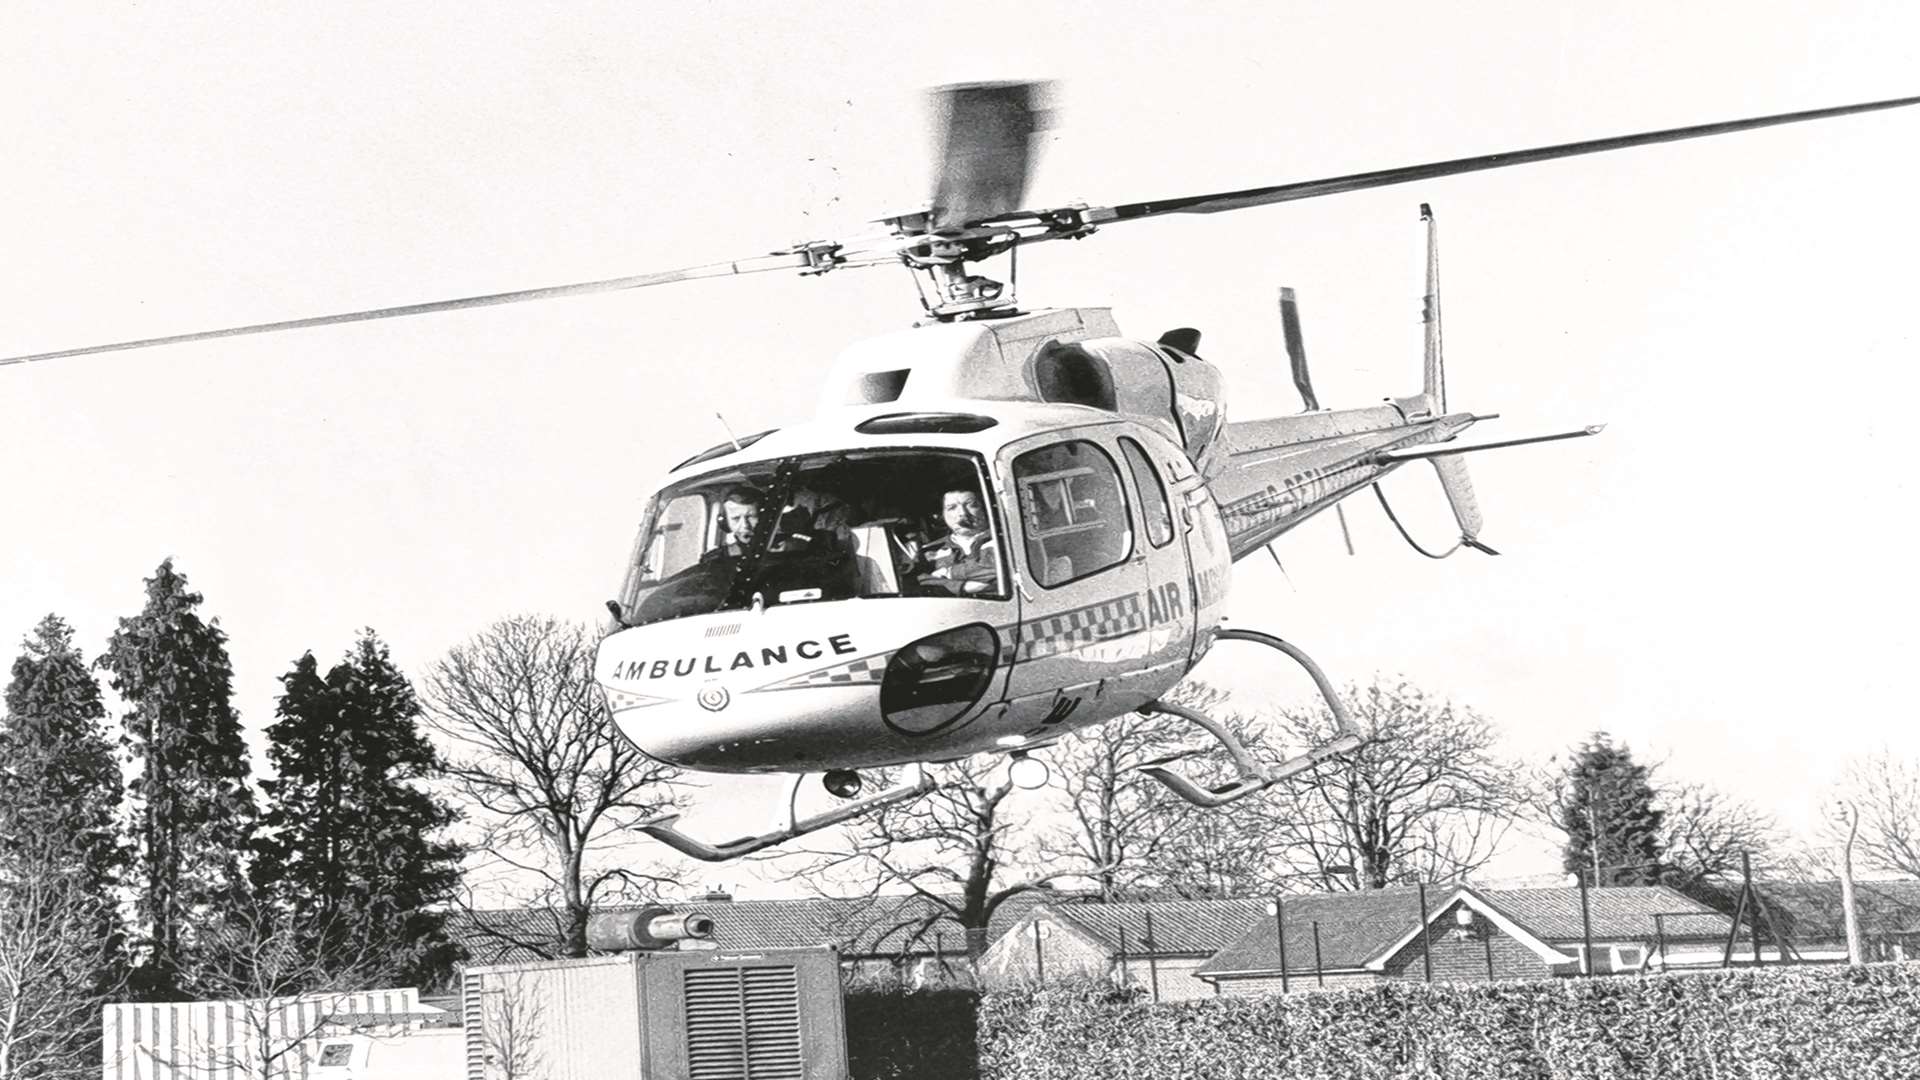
(1465,959)
(1176,977)
(1062,951)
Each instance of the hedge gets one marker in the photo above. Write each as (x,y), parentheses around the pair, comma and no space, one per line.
(896,1034)
(1786,1023)
(1806,1023)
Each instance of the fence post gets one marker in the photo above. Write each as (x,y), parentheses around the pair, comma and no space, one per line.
(1126,977)
(1486,939)
(1280,935)
(1153,960)
(1039,956)
(1586,929)
(1660,938)
(1849,914)
(1319,970)
(1426,942)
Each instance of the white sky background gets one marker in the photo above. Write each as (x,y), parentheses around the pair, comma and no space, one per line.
(1722,580)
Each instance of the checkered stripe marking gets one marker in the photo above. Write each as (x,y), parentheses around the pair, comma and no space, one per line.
(621,700)
(861,672)
(1069,630)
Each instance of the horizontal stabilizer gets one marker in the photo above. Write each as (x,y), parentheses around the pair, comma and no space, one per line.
(1417,453)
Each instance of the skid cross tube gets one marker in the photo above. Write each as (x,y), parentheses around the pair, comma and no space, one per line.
(789,823)
(1252,775)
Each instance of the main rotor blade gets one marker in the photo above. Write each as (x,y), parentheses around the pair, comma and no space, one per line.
(986,149)
(781,261)
(1261,196)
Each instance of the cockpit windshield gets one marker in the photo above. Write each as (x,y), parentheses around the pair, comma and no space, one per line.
(866,524)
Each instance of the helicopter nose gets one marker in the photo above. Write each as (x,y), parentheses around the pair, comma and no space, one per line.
(723,729)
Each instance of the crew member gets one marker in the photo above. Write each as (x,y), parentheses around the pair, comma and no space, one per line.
(965,562)
(740,513)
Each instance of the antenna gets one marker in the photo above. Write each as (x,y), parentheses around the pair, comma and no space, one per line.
(724,426)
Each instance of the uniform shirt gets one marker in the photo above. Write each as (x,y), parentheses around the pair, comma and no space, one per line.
(950,565)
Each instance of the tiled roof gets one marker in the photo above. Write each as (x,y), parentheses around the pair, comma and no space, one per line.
(1355,927)
(876,926)
(1809,911)
(1620,911)
(1180,927)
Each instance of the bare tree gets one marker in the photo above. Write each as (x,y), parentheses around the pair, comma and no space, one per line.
(1118,824)
(52,958)
(960,849)
(1705,833)
(279,988)
(534,757)
(512,1023)
(1131,836)
(1429,798)
(1885,791)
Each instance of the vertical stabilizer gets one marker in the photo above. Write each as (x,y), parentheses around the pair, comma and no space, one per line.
(1452,470)
(1434,384)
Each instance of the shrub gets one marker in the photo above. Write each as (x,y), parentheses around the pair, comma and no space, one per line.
(926,1035)
(1802,1023)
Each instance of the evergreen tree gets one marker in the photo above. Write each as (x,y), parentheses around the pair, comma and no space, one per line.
(193,813)
(347,849)
(1606,808)
(59,785)
(61,942)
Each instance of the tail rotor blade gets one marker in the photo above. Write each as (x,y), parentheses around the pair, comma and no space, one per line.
(1296,348)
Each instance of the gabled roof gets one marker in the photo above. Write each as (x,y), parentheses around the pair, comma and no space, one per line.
(884,926)
(1362,929)
(1180,927)
(1353,928)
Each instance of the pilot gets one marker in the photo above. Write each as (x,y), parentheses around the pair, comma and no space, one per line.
(740,513)
(965,562)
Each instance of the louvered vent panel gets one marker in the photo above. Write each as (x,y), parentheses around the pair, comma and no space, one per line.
(743,1024)
(470,1018)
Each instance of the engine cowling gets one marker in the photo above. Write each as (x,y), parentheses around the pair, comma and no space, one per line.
(1068,355)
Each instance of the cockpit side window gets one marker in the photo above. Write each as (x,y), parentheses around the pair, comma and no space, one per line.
(1155,514)
(1073,510)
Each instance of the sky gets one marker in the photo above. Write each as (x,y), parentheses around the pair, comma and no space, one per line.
(1722,580)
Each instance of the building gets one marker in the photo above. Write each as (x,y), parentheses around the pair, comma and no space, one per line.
(1154,945)
(1359,938)
(1808,916)
(909,936)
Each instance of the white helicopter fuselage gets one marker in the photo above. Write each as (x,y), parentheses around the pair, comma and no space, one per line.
(1111,577)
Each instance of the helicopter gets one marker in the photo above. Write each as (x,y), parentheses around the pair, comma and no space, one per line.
(1000,526)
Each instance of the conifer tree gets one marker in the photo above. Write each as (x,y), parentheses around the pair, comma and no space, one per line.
(59,786)
(347,848)
(193,813)
(61,942)
(1606,807)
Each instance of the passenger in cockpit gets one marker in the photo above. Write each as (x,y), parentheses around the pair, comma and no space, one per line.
(965,562)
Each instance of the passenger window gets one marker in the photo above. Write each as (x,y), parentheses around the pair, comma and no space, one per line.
(1074,512)
(1155,514)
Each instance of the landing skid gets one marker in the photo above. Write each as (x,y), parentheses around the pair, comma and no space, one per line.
(789,824)
(1252,775)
